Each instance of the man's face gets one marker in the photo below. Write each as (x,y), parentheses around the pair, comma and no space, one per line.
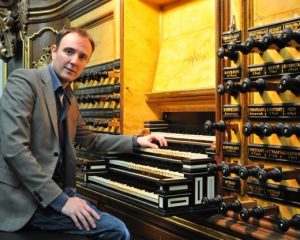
(71,57)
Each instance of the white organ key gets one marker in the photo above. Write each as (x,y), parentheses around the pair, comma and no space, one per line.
(155,170)
(174,153)
(190,137)
(125,188)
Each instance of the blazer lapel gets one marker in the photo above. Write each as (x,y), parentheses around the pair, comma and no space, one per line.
(50,98)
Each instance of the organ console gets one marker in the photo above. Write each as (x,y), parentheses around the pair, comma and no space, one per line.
(259,212)
(181,179)
(169,180)
(284,224)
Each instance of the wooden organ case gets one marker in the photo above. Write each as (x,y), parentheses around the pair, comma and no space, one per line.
(240,90)
(228,70)
(258,161)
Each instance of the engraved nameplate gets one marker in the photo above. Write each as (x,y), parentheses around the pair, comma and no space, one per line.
(231,36)
(291,67)
(274,28)
(231,111)
(265,70)
(274,111)
(231,73)
(231,184)
(278,193)
(231,149)
(274,153)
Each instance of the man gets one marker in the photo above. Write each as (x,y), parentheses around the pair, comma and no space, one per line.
(39,123)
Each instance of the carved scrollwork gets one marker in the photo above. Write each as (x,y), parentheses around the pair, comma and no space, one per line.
(13,17)
(23,16)
(7,41)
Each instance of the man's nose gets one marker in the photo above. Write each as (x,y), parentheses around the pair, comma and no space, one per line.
(75,59)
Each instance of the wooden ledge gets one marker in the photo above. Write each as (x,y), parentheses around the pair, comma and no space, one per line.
(202,100)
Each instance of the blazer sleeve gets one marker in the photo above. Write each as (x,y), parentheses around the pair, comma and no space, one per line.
(102,142)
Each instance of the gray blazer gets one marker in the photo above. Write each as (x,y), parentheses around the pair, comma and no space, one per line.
(29,145)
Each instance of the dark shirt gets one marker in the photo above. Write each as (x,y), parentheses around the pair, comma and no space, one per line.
(62,108)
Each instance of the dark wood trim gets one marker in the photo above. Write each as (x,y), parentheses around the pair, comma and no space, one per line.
(185,101)
(146,225)
(59,10)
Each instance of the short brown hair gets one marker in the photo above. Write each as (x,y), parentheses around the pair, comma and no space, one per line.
(80,31)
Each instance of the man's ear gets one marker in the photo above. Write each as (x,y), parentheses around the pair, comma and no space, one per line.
(53,50)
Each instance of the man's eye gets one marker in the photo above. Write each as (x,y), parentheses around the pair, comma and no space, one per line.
(83,57)
(68,51)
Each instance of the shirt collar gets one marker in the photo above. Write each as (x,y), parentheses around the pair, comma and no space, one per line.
(57,86)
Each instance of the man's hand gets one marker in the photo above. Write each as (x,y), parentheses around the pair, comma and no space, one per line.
(147,141)
(80,212)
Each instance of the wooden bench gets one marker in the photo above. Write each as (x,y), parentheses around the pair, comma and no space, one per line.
(40,235)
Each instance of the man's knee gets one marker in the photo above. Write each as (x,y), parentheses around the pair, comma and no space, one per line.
(113,228)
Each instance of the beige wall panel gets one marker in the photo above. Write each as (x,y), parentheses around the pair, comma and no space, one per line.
(141,49)
(104,37)
(187,55)
(270,11)
(101,24)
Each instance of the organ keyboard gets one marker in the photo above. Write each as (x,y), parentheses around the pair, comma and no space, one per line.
(194,139)
(168,180)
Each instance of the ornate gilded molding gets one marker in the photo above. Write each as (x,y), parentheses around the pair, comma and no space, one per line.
(45,59)
(13,15)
